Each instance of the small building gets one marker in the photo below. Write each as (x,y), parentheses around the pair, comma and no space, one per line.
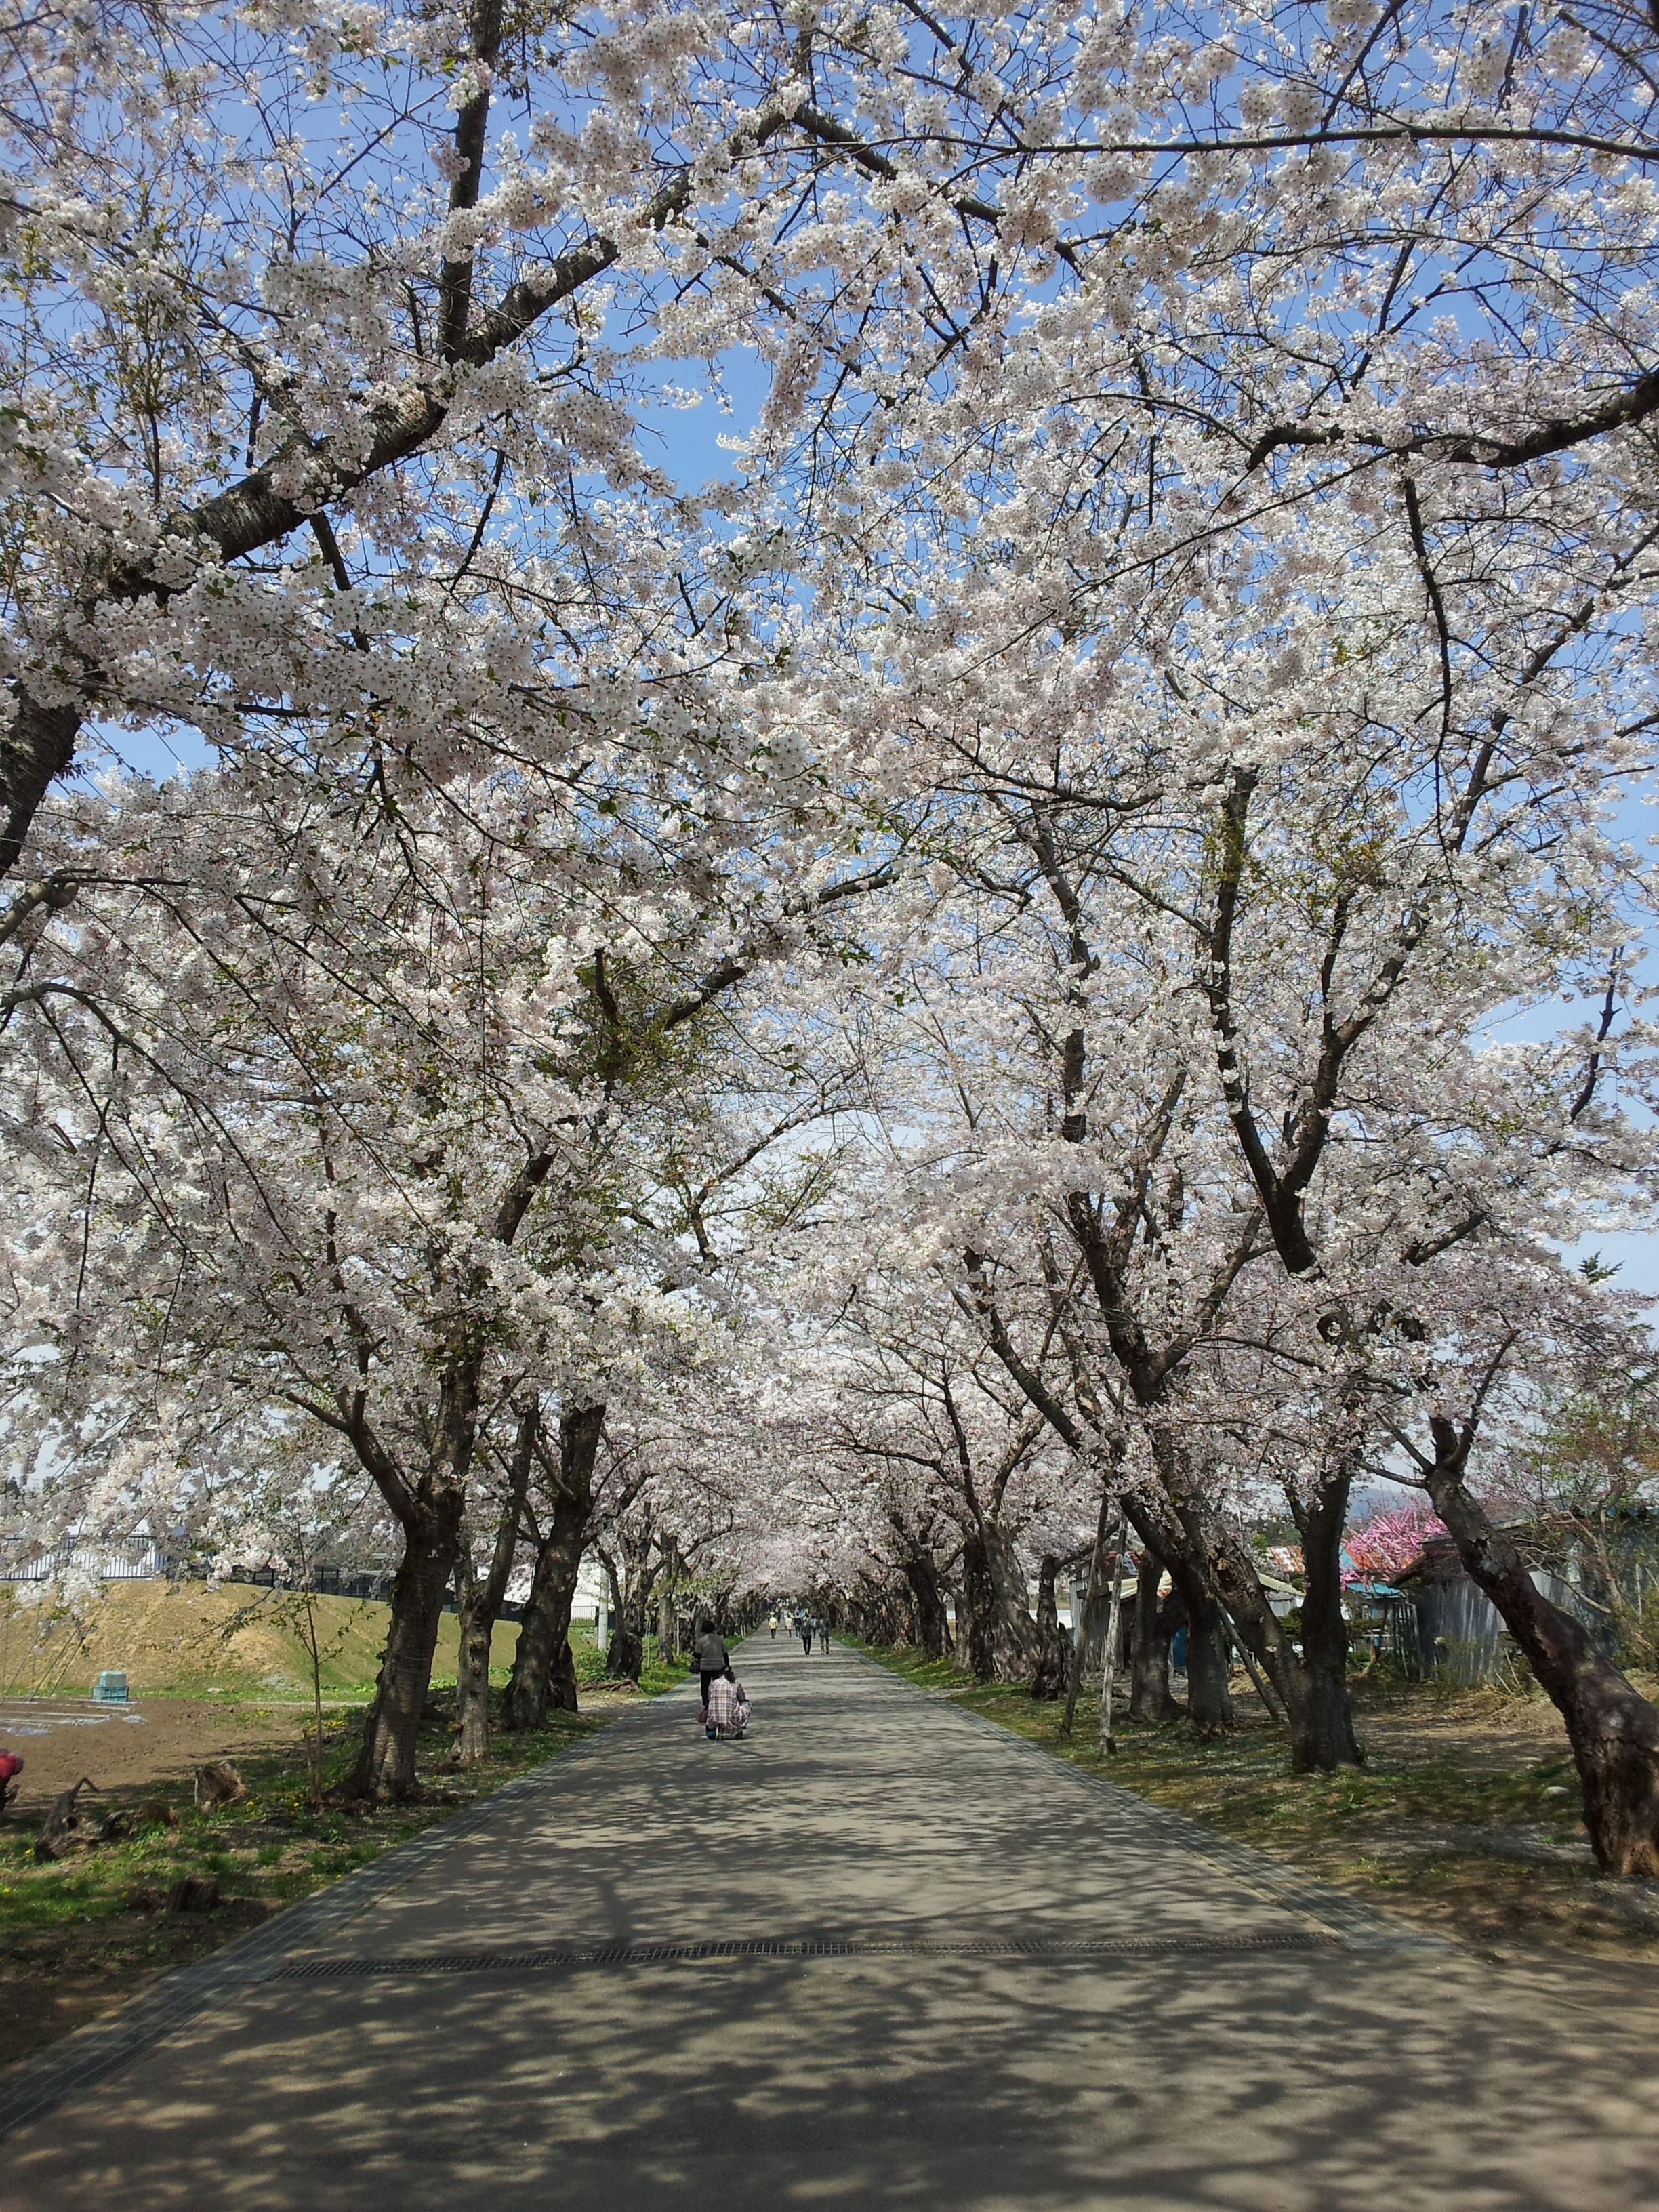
(1459,1633)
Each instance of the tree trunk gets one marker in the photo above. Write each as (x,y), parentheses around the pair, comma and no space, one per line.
(1151,1698)
(385,1765)
(933,1624)
(480,1600)
(977,1647)
(1051,1674)
(543,1632)
(1322,1725)
(626,1655)
(37,747)
(1009,1634)
(475,1630)
(667,1650)
(1209,1701)
(1612,1729)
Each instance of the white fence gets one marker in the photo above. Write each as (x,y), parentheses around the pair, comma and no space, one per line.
(138,1562)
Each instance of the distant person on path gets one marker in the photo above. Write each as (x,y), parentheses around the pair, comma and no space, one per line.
(773,1624)
(712,1655)
(805,1627)
(823,1636)
(726,1713)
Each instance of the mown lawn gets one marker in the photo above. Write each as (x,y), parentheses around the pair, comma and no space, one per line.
(1466,1817)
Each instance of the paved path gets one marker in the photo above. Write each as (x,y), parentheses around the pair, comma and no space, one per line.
(878,1956)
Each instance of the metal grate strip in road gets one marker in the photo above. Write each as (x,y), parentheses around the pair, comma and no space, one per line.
(802,1946)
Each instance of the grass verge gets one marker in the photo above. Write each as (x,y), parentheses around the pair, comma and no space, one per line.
(83,1932)
(1465,1819)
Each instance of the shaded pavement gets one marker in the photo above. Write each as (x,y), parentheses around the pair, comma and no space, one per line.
(880,1954)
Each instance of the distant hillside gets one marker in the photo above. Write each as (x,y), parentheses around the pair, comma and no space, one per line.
(187,1638)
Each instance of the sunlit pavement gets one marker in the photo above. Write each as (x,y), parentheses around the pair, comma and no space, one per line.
(877,1954)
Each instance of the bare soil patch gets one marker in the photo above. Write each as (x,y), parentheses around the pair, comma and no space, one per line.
(131,1750)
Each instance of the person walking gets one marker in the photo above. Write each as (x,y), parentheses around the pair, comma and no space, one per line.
(712,1656)
(823,1635)
(806,1625)
(772,1625)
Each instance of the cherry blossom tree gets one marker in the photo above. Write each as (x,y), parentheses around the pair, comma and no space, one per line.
(373,1122)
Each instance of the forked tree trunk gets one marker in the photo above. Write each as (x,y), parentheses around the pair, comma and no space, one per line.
(1014,1632)
(1322,1722)
(385,1765)
(1151,1698)
(544,1633)
(1612,1729)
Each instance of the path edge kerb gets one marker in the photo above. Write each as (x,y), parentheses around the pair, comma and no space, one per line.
(35,2087)
(1361,1926)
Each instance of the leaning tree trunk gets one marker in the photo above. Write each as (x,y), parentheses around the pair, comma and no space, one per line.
(385,1764)
(1051,1674)
(480,1599)
(1151,1698)
(1612,1729)
(1322,1724)
(542,1662)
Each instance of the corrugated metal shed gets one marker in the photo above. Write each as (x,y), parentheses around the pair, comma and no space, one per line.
(1460,1631)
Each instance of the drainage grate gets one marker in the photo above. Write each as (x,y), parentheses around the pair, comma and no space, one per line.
(804,1946)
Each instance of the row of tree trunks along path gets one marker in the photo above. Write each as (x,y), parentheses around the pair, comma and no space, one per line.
(875,1954)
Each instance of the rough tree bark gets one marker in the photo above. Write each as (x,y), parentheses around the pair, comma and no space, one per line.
(543,1672)
(1612,1729)
(430,1515)
(1001,1638)
(933,1623)
(1321,1722)
(1051,1673)
(1151,1698)
(1209,1701)
(385,1764)
(480,1599)
(632,1580)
